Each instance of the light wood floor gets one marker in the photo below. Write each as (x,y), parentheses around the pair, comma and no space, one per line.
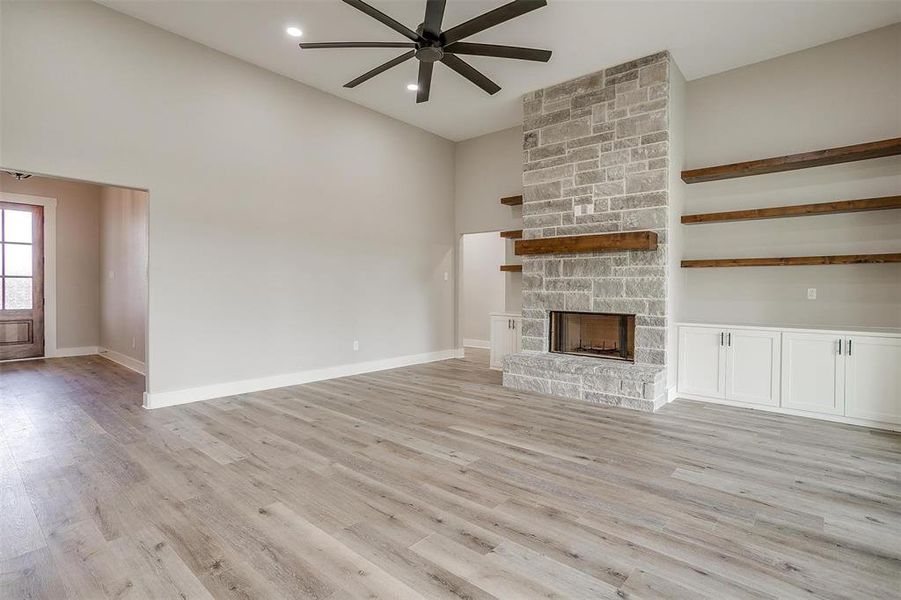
(429,481)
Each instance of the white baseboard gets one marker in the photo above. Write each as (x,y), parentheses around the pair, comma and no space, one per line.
(461,353)
(671,394)
(124,360)
(477,343)
(74,351)
(245,386)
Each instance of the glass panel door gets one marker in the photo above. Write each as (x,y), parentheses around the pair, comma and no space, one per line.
(21,280)
(17,268)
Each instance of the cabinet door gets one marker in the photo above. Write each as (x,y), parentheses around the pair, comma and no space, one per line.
(500,341)
(813,372)
(752,366)
(702,361)
(873,378)
(516,336)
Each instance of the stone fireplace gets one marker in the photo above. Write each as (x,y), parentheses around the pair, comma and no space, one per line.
(596,154)
(601,335)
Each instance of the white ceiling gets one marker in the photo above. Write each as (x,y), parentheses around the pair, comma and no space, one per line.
(705,37)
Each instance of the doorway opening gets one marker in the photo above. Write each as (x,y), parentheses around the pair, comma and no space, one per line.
(487,294)
(73,270)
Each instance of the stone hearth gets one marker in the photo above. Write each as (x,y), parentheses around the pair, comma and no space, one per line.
(600,141)
(642,387)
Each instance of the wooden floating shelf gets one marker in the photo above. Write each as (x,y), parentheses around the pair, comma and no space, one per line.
(801,210)
(847,259)
(604,242)
(512,201)
(512,268)
(791,162)
(513,234)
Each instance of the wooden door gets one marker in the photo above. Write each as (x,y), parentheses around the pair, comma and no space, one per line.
(873,379)
(752,366)
(21,281)
(702,361)
(813,372)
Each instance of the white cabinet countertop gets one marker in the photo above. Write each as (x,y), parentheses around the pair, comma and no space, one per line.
(888,331)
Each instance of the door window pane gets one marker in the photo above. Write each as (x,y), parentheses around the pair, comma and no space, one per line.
(17,259)
(16,226)
(17,293)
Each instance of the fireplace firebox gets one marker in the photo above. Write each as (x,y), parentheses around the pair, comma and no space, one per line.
(602,335)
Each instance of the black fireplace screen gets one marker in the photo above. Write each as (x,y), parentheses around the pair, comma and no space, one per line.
(602,335)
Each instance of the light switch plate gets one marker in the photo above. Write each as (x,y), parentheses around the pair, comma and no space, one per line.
(811,293)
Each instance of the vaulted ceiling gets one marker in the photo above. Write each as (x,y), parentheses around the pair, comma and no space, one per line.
(704,37)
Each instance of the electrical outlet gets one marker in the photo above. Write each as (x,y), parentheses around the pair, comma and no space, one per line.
(356,345)
(578,210)
(446,276)
(811,293)
(588,209)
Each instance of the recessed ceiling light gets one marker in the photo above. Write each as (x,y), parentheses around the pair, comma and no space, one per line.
(294,31)
(412,87)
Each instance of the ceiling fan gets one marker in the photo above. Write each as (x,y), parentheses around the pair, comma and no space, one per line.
(429,44)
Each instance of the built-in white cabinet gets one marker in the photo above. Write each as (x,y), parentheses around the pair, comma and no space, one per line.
(813,367)
(873,378)
(837,375)
(752,366)
(702,365)
(737,365)
(505,337)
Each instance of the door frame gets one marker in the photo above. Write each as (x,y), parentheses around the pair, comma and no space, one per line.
(459,284)
(49,206)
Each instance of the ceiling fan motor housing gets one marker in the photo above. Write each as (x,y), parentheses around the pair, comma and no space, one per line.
(430,53)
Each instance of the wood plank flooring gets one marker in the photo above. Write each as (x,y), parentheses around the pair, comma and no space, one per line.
(429,482)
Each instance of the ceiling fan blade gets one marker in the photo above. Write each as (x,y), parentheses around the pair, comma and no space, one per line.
(380,69)
(383,18)
(490,19)
(499,51)
(467,71)
(309,46)
(425,81)
(434,14)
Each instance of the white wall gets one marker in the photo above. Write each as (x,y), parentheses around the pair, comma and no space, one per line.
(675,285)
(841,93)
(483,285)
(486,169)
(77,256)
(123,272)
(512,281)
(284,222)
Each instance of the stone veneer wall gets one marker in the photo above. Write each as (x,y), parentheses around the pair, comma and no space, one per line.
(599,140)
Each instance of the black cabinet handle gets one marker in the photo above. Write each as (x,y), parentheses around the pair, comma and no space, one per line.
(722,339)
(839,345)
(849,347)
(729,339)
